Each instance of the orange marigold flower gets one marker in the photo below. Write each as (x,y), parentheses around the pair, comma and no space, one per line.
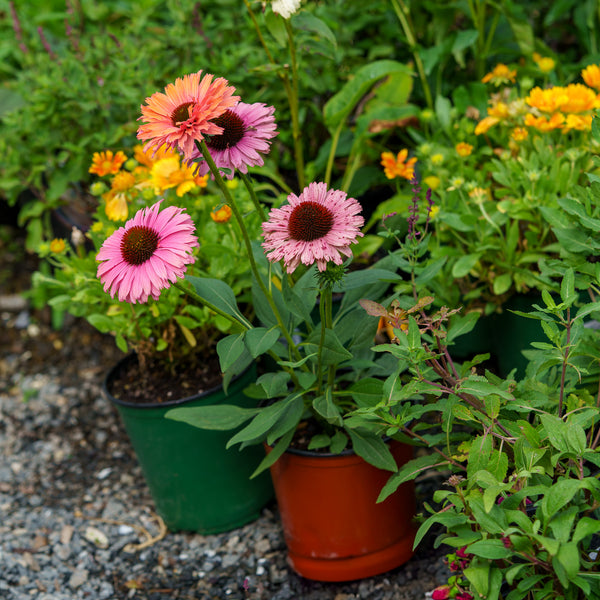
(545,63)
(104,163)
(519,134)
(221,215)
(486,124)
(500,75)
(549,100)
(463,149)
(398,166)
(184,113)
(544,124)
(579,98)
(591,76)
(57,245)
(578,122)
(122,182)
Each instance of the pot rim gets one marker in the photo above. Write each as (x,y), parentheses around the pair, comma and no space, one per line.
(153,405)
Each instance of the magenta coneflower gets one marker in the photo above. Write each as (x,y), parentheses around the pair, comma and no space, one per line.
(247,129)
(317,226)
(185,112)
(151,250)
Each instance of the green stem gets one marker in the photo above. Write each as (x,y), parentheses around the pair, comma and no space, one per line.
(238,216)
(402,13)
(257,204)
(197,298)
(334,144)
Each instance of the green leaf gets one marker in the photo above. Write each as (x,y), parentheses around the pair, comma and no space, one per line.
(260,340)
(308,22)
(272,456)
(374,450)
(216,292)
(568,557)
(274,384)
(339,107)
(367,392)
(559,495)
(462,324)
(556,430)
(229,349)
(407,472)
(502,283)
(464,264)
(262,423)
(218,417)
(567,287)
(325,406)
(333,350)
(584,528)
(491,549)
(102,323)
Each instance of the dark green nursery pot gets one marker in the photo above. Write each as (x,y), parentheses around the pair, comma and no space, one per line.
(196,484)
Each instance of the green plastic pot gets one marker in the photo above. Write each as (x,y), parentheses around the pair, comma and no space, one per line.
(196,483)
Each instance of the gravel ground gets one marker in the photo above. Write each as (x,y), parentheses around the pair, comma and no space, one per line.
(76,517)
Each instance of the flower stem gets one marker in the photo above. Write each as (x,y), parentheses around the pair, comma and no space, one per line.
(257,204)
(238,217)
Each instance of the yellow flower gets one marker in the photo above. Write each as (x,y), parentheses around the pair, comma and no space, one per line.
(97,226)
(545,63)
(432,181)
(149,157)
(500,74)
(57,245)
(591,76)
(479,194)
(463,149)
(202,181)
(169,173)
(486,124)
(104,163)
(519,134)
(232,184)
(437,159)
(116,208)
(433,211)
(496,113)
(398,166)
(122,182)
(578,122)
(221,214)
(579,98)
(456,183)
(544,124)
(549,100)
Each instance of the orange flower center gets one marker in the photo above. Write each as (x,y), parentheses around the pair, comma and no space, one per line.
(310,221)
(233,131)
(139,244)
(181,113)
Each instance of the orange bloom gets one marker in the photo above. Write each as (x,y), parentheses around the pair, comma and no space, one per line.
(486,124)
(544,124)
(519,134)
(549,100)
(500,74)
(578,122)
(104,163)
(591,76)
(57,245)
(398,166)
(147,159)
(221,215)
(184,113)
(463,149)
(579,98)
(122,182)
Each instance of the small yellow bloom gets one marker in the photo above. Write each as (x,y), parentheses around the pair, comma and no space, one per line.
(479,194)
(149,157)
(168,172)
(57,245)
(97,226)
(578,123)
(500,75)
(116,208)
(433,211)
(104,163)
(545,63)
(519,134)
(591,76)
(232,184)
(432,181)
(463,149)
(456,183)
(486,124)
(122,182)
(202,181)
(398,166)
(437,159)
(221,215)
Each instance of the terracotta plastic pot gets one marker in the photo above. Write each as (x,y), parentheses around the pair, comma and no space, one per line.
(333,527)
(196,484)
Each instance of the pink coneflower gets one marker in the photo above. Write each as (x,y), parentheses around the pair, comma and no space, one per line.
(185,112)
(151,250)
(247,129)
(317,226)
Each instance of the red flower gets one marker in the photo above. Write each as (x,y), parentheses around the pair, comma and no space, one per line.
(461,553)
(441,593)
(464,596)
(506,541)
